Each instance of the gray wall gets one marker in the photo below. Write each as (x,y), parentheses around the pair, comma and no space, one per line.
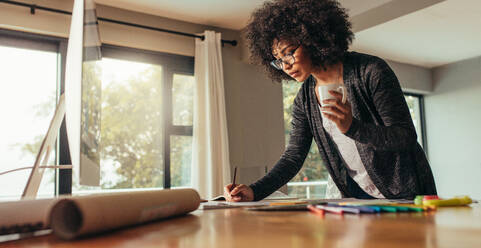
(253,103)
(412,78)
(453,118)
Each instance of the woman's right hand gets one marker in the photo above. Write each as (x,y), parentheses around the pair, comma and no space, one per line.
(240,193)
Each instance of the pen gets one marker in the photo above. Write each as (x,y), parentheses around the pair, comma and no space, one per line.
(233,180)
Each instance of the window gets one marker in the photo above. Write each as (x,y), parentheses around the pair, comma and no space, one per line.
(146,111)
(310,182)
(416,108)
(146,119)
(131,124)
(182,114)
(28,94)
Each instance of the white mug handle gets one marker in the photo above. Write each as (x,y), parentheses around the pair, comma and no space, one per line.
(344,93)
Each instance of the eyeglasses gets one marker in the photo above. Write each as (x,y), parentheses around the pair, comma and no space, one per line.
(288,59)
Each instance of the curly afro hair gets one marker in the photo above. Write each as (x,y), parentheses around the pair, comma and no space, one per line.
(320,26)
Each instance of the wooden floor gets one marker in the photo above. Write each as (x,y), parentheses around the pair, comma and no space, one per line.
(447,227)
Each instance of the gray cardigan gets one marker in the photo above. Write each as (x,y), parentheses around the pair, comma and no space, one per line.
(382,129)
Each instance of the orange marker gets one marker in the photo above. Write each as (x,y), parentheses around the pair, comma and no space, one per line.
(316,211)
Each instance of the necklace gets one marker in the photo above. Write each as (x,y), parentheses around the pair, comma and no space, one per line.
(338,77)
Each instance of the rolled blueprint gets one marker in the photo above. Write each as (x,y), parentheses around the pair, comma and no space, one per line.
(73,217)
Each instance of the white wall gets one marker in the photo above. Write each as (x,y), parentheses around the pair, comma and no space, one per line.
(453,120)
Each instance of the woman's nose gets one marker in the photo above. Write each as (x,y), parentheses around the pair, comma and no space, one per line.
(286,66)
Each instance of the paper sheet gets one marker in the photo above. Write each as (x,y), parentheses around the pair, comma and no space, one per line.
(225,204)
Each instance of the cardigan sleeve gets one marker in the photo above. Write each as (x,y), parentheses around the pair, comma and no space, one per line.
(397,132)
(293,157)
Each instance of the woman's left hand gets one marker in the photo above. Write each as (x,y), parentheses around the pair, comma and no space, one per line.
(338,112)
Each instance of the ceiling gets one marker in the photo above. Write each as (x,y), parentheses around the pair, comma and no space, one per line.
(426,33)
(232,14)
(443,33)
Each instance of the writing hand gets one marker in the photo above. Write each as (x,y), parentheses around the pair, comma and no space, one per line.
(240,192)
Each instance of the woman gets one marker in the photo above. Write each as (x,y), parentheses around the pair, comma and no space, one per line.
(368,142)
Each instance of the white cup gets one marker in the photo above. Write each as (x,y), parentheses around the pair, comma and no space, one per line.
(324,94)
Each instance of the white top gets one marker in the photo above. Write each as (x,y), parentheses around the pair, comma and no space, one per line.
(348,150)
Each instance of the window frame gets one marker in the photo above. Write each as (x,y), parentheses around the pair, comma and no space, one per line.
(171,64)
(422,118)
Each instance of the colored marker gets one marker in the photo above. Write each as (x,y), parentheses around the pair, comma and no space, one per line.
(316,211)
(335,210)
(357,209)
(457,201)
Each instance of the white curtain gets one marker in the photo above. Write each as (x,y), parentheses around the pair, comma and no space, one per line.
(210,153)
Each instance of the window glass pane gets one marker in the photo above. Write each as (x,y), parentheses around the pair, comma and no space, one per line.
(310,181)
(181,158)
(131,144)
(182,98)
(414,109)
(27,104)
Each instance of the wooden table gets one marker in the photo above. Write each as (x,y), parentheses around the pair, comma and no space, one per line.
(447,227)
